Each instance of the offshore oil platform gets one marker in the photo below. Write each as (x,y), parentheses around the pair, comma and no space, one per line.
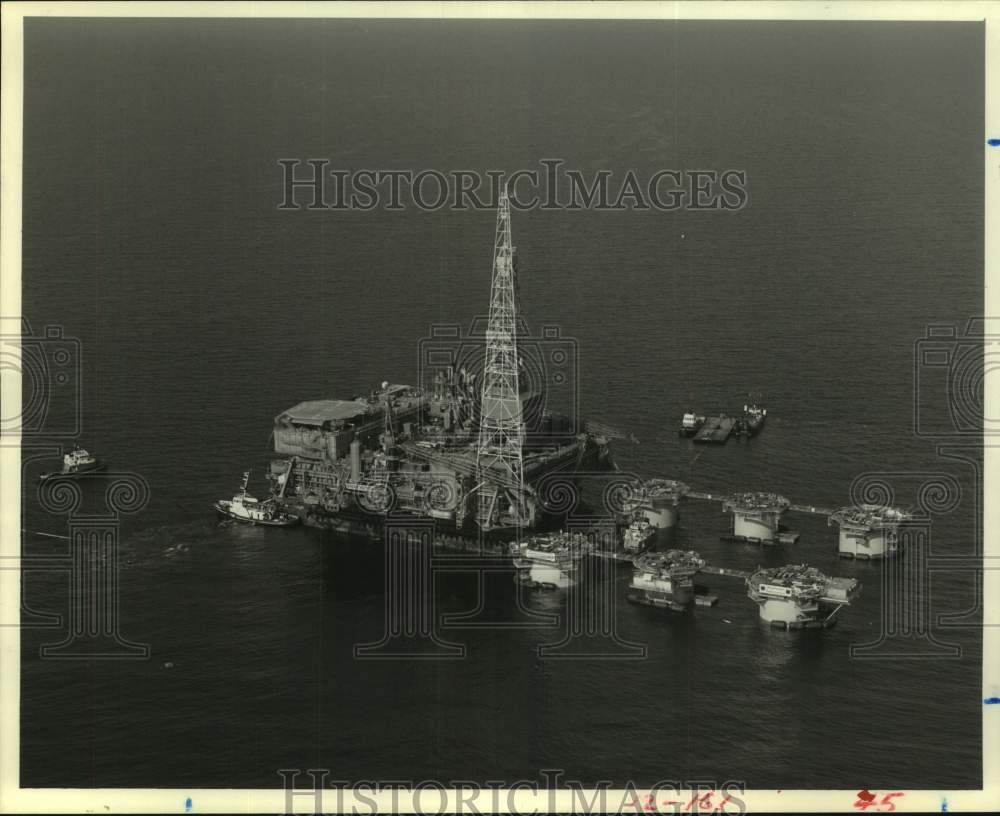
(868,531)
(474,448)
(656,500)
(550,561)
(665,579)
(799,596)
(757,518)
(789,597)
(469,448)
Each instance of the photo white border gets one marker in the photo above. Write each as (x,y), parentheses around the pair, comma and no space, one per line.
(14,799)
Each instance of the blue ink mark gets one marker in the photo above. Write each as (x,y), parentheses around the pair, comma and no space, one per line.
(993,142)
(991,701)
(187,805)
(944,805)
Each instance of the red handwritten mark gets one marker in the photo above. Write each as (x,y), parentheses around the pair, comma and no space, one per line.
(703,801)
(867,799)
(887,804)
(721,807)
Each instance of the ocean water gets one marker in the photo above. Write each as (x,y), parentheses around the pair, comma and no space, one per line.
(152,234)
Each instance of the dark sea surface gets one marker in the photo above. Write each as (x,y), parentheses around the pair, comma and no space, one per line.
(152,234)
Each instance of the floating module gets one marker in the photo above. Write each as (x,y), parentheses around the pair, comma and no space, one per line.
(656,500)
(868,530)
(757,518)
(665,579)
(798,596)
(550,561)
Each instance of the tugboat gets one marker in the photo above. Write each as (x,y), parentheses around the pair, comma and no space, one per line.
(245,508)
(639,535)
(752,420)
(690,424)
(76,463)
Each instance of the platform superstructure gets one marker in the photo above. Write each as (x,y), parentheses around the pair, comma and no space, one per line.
(799,596)
(665,579)
(550,561)
(757,518)
(656,500)
(468,447)
(868,531)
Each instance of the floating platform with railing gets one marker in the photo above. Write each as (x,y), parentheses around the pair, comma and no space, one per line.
(868,531)
(715,430)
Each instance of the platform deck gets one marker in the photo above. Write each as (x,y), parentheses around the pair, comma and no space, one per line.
(716,430)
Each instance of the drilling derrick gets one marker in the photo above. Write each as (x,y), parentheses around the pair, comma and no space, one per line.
(499,460)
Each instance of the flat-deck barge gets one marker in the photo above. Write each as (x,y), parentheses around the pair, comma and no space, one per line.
(716,430)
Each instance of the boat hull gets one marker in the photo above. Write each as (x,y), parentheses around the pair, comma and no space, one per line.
(98,467)
(278,521)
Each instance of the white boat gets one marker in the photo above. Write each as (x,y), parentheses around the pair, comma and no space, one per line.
(690,424)
(245,508)
(77,462)
(753,418)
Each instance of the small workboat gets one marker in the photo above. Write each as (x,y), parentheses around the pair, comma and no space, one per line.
(246,509)
(690,423)
(77,462)
(753,418)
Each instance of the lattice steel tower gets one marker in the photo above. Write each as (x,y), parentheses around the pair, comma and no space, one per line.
(499,462)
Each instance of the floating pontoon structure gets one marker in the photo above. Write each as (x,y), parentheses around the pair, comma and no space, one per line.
(656,500)
(550,561)
(868,530)
(665,579)
(757,518)
(799,596)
